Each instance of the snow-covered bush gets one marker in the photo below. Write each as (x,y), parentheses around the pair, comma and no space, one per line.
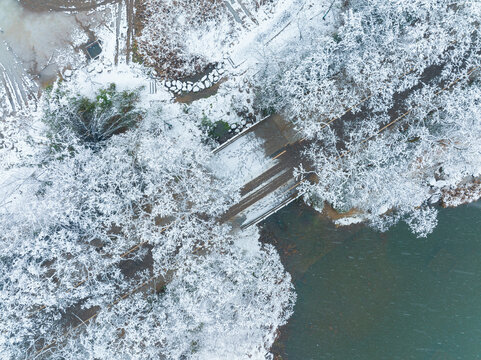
(90,120)
(174,35)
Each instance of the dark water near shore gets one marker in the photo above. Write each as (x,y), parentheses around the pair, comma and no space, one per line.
(366,295)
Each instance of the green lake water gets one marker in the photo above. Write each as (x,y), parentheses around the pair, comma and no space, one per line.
(369,295)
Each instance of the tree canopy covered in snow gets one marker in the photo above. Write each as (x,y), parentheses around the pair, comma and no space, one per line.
(166,41)
(378,49)
(114,242)
(101,175)
(221,305)
(181,38)
(413,63)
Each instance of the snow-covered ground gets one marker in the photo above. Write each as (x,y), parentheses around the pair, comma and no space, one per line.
(283,23)
(35,46)
(46,42)
(17,90)
(242,160)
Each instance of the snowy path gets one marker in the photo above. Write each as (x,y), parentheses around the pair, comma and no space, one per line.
(262,160)
(15,86)
(240,12)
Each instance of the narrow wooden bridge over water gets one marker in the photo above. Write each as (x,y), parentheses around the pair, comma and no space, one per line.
(266,192)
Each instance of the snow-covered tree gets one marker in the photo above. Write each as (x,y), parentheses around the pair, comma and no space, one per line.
(174,35)
(224,304)
(76,208)
(382,59)
(379,48)
(181,38)
(405,168)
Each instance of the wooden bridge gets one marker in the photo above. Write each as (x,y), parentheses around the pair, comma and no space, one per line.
(266,192)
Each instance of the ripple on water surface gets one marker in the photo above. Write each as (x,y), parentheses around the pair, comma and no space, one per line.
(366,295)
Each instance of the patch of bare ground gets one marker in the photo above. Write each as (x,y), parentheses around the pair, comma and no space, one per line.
(334,215)
(463,194)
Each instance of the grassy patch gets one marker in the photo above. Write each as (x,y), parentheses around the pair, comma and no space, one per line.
(218,131)
(90,120)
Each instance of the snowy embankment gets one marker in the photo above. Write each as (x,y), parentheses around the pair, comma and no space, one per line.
(463,194)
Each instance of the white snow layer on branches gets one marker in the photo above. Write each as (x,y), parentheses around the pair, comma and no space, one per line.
(406,170)
(226,304)
(171,28)
(69,211)
(378,48)
(180,38)
(67,227)
(383,59)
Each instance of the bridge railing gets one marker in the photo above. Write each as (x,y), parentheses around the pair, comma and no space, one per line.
(272,211)
(240,134)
